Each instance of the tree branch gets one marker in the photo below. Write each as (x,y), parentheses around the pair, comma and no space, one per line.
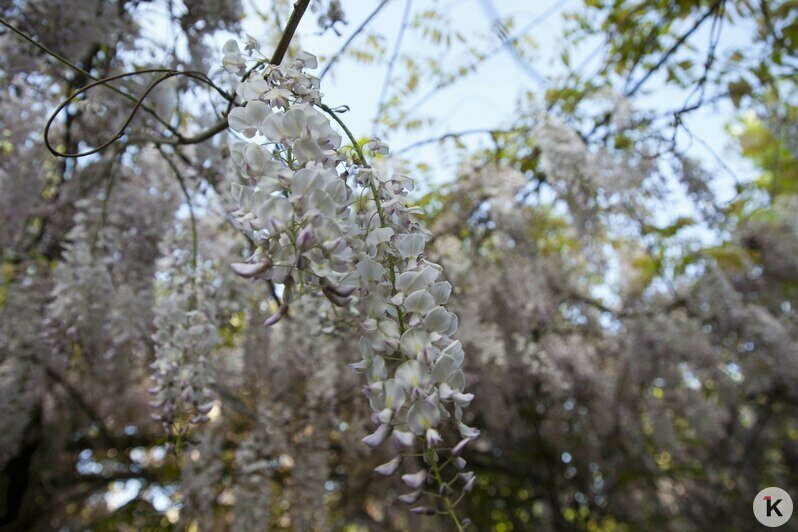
(282,47)
(82,71)
(457,135)
(165,74)
(76,396)
(290,28)
(679,42)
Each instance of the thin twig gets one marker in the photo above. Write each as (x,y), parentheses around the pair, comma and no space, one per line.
(714,39)
(457,135)
(182,182)
(644,48)
(679,42)
(484,58)
(82,71)
(501,32)
(211,132)
(391,64)
(352,37)
(78,399)
(167,73)
(282,47)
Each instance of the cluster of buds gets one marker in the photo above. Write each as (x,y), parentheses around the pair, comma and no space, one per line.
(325,222)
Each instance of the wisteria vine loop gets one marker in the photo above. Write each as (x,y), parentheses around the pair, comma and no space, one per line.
(165,74)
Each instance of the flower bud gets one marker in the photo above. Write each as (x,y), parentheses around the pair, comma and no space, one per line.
(304,240)
(433,437)
(250,270)
(460,446)
(277,316)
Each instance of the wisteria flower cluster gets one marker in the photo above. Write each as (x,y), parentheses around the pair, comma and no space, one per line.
(186,335)
(325,222)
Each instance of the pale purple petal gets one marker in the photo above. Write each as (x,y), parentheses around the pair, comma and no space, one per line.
(377,437)
(410,498)
(460,446)
(405,439)
(415,480)
(389,468)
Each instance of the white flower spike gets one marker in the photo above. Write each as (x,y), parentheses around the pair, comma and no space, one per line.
(325,222)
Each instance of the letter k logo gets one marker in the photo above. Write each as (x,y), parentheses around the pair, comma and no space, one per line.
(772,506)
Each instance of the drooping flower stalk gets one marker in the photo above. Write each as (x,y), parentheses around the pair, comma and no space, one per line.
(186,335)
(325,222)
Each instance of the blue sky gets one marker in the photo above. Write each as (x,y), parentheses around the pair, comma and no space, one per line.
(488,98)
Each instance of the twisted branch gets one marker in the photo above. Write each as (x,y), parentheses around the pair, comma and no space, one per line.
(300,6)
(139,102)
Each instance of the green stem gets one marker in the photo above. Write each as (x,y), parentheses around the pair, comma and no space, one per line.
(375,194)
(446,500)
(400,315)
(193,220)
(104,207)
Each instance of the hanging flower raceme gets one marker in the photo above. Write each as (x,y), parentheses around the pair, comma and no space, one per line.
(325,222)
(185,338)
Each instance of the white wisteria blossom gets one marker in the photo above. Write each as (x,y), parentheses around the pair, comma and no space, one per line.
(325,222)
(185,338)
